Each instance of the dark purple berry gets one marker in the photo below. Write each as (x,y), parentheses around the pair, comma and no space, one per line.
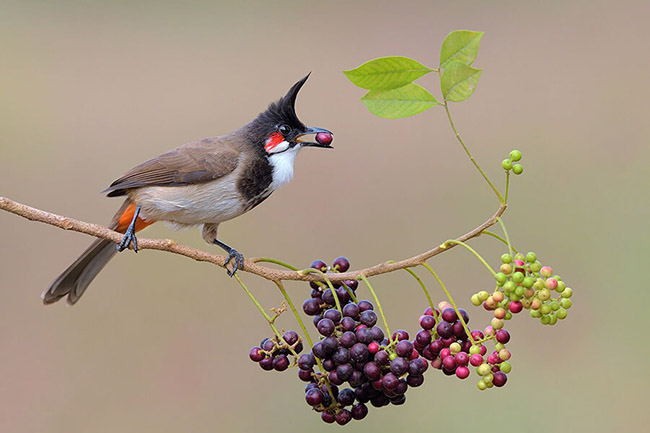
(390,381)
(356,379)
(333,314)
(330,344)
(346,397)
(347,339)
(319,351)
(344,296)
(464,315)
(449,363)
(328,417)
(500,379)
(267,364)
(352,284)
(414,380)
(359,411)
(311,306)
(372,371)
(364,335)
(449,315)
(328,297)
(256,354)
(365,305)
(351,310)
(399,366)
(326,327)
(368,318)
(404,348)
(377,333)
(319,264)
(445,329)
(344,371)
(348,323)
(459,330)
(314,397)
(291,337)
(306,361)
(423,337)
(334,378)
(399,400)
(381,357)
(341,264)
(359,352)
(305,375)
(417,367)
(400,335)
(427,322)
(329,364)
(341,356)
(502,337)
(281,363)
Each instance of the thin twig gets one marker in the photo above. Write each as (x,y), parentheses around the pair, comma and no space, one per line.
(250,265)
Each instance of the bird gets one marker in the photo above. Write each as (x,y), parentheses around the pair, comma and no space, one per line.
(201,183)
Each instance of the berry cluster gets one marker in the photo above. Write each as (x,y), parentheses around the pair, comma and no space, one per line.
(508,164)
(444,341)
(522,282)
(273,353)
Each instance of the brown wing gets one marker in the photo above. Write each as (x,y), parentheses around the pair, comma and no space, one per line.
(191,163)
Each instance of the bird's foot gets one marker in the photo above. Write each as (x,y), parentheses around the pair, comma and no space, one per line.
(129,237)
(238,262)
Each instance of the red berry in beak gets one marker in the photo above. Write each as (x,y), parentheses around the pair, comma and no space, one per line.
(324,138)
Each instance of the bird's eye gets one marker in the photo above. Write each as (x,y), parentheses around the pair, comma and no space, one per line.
(284,129)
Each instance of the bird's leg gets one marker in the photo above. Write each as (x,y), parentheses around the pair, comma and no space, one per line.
(129,235)
(232,254)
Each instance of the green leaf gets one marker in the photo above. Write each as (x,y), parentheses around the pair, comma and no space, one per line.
(459,81)
(386,73)
(401,102)
(461,46)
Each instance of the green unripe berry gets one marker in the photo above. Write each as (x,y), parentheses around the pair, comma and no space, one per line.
(496,323)
(544,295)
(454,348)
(505,367)
(545,320)
(481,385)
(517,169)
(539,284)
(528,282)
(506,268)
(506,258)
(555,305)
(519,291)
(509,286)
(475,300)
(490,384)
(520,256)
(515,155)
(535,267)
(545,309)
(566,303)
(518,277)
(560,286)
(474,349)
(553,318)
(515,297)
(501,279)
(499,347)
(392,356)
(566,293)
(535,314)
(488,378)
(531,257)
(483,369)
(506,164)
(561,314)
(508,315)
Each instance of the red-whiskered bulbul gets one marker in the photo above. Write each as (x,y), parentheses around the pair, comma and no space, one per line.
(204,183)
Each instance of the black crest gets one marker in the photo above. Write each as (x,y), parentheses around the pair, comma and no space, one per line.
(282,111)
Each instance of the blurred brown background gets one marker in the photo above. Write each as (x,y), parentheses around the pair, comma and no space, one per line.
(159,343)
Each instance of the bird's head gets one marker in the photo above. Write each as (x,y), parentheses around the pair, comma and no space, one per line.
(279,129)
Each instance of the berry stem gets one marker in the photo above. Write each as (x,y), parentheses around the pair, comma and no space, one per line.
(381,310)
(426,292)
(478,256)
(462,143)
(277,262)
(451,301)
(494,235)
(259,307)
(329,284)
(295,312)
(505,232)
(507,185)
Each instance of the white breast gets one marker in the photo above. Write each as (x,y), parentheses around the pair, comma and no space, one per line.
(282,167)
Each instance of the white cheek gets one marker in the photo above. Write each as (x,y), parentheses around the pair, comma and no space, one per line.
(283,167)
(281,147)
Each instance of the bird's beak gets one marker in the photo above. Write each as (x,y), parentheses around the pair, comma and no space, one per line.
(316,137)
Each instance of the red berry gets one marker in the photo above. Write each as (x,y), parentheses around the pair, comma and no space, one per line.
(373,347)
(324,138)
(503,336)
(515,307)
(476,360)
(462,372)
(499,379)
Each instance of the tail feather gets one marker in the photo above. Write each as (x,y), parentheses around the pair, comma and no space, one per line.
(74,280)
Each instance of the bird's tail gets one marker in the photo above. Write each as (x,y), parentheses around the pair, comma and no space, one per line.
(74,280)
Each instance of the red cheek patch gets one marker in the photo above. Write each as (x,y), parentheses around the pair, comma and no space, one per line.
(273,140)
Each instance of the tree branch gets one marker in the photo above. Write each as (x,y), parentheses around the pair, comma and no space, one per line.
(250,265)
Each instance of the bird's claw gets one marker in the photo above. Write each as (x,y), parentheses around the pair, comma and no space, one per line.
(238,262)
(129,237)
